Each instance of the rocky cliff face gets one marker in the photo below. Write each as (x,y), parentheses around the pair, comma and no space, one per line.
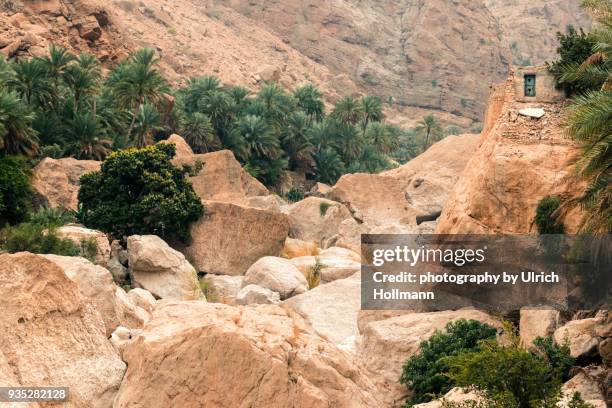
(519,161)
(418,56)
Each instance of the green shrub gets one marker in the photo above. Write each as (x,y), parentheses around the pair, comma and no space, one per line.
(424,373)
(545,221)
(52,217)
(15,193)
(507,375)
(139,191)
(38,239)
(323,207)
(558,356)
(295,194)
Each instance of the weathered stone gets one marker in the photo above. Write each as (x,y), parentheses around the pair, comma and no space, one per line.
(455,395)
(255,356)
(52,334)
(537,323)
(84,236)
(535,113)
(96,284)
(587,387)
(296,247)
(581,336)
(222,288)
(270,202)
(255,294)
(229,238)
(316,219)
(56,182)
(89,28)
(278,275)
(142,298)
(161,270)
(332,308)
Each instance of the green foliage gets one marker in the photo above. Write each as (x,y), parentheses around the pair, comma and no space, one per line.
(558,356)
(578,402)
(545,219)
(574,48)
(507,375)
(323,207)
(424,373)
(38,239)
(15,193)
(52,217)
(139,191)
(295,194)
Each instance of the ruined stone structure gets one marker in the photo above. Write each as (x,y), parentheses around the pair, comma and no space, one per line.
(535,84)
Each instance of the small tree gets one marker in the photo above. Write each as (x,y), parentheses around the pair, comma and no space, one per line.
(14,190)
(139,191)
(424,373)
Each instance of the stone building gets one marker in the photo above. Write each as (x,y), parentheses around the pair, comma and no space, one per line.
(535,84)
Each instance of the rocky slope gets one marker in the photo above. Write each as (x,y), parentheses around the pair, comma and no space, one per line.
(419,57)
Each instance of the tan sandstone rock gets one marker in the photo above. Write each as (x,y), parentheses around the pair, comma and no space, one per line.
(96,284)
(537,323)
(278,275)
(588,388)
(296,247)
(316,219)
(519,162)
(214,355)
(332,263)
(221,178)
(455,395)
(222,288)
(257,295)
(385,345)
(161,270)
(83,236)
(52,335)
(229,238)
(581,335)
(331,309)
(142,298)
(56,182)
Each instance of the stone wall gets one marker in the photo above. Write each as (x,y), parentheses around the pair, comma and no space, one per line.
(545,85)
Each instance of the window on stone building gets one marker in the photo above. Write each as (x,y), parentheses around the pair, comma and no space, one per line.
(530,85)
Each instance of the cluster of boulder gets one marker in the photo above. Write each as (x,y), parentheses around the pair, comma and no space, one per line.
(261,308)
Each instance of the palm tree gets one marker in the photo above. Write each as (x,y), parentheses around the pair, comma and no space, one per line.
(380,136)
(199,133)
(137,82)
(87,139)
(589,121)
(31,80)
(148,121)
(259,137)
(309,99)
(56,64)
(430,126)
(323,134)
(82,78)
(295,141)
(16,132)
(348,110)
(350,141)
(217,105)
(329,165)
(198,88)
(372,110)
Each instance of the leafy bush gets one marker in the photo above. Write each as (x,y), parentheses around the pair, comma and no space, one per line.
(38,239)
(424,373)
(15,191)
(558,356)
(511,376)
(139,191)
(546,223)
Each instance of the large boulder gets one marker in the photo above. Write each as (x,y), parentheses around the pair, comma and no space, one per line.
(419,187)
(221,288)
(385,345)
(278,275)
(296,247)
(161,270)
(52,335)
(56,182)
(215,355)
(88,239)
(316,219)
(587,386)
(536,323)
(229,238)
(584,335)
(221,177)
(331,309)
(96,284)
(332,263)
